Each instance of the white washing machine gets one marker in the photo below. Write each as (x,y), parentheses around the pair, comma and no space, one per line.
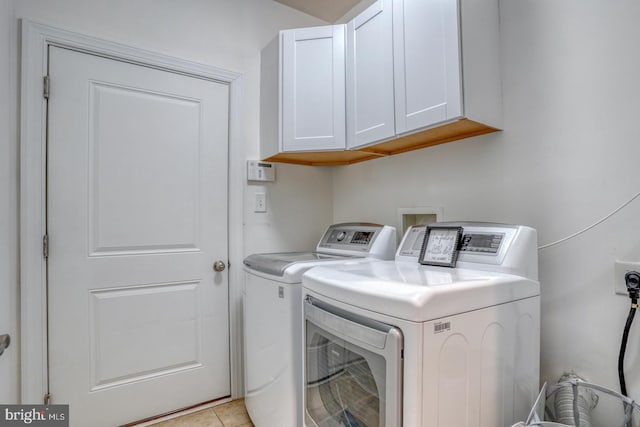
(398,343)
(273,316)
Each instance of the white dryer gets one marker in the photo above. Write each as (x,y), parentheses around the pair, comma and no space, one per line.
(273,316)
(398,343)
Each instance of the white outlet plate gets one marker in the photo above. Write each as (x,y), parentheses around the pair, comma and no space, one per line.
(620,269)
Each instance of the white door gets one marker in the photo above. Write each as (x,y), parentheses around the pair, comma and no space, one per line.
(370,110)
(426,50)
(313,98)
(137,215)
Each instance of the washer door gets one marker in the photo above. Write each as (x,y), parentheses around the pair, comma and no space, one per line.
(353,369)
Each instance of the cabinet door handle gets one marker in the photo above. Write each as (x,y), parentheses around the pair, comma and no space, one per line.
(5,340)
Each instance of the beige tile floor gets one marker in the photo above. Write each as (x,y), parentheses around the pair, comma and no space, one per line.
(232,414)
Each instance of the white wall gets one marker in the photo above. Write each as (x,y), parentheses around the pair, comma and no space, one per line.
(568,156)
(223,33)
(299,209)
(8,206)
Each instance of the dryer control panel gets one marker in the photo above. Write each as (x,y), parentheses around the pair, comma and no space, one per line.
(486,243)
(411,243)
(483,246)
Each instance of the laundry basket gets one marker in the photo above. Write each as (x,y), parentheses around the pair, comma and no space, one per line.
(583,397)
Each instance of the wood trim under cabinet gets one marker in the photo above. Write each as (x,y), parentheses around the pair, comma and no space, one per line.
(460,129)
(324,158)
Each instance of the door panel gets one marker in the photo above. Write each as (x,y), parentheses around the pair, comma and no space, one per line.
(154,313)
(137,214)
(165,138)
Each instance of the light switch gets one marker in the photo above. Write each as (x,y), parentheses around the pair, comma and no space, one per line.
(261,202)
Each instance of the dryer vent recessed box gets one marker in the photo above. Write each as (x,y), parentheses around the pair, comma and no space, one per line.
(260,171)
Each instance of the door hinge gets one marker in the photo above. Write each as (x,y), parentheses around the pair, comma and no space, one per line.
(45,246)
(45,87)
(47,399)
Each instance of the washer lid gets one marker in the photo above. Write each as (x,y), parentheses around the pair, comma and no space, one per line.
(409,291)
(277,263)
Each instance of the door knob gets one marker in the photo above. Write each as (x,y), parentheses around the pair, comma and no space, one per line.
(219,266)
(5,340)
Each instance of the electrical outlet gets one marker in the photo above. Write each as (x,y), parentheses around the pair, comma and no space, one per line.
(261,203)
(621,268)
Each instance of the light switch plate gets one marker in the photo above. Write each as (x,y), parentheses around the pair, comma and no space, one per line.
(260,203)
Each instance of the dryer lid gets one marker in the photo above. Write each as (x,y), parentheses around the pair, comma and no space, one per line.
(417,293)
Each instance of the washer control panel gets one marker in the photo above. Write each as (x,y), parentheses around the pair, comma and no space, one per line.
(350,236)
(358,238)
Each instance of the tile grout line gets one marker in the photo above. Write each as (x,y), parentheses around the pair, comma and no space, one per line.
(181,414)
(230,414)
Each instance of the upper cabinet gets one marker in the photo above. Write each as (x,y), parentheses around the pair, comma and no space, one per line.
(418,73)
(445,79)
(303,96)
(313,89)
(370,97)
(426,60)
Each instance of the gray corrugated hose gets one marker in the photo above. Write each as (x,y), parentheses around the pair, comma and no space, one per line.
(584,399)
(570,401)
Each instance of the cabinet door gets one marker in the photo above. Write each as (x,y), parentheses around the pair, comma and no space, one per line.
(370,111)
(313,98)
(427,63)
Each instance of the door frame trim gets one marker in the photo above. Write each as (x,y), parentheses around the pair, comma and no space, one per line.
(36,38)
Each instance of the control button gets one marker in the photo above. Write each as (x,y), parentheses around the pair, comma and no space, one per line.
(341,236)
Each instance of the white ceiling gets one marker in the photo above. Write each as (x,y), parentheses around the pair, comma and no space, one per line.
(327,10)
